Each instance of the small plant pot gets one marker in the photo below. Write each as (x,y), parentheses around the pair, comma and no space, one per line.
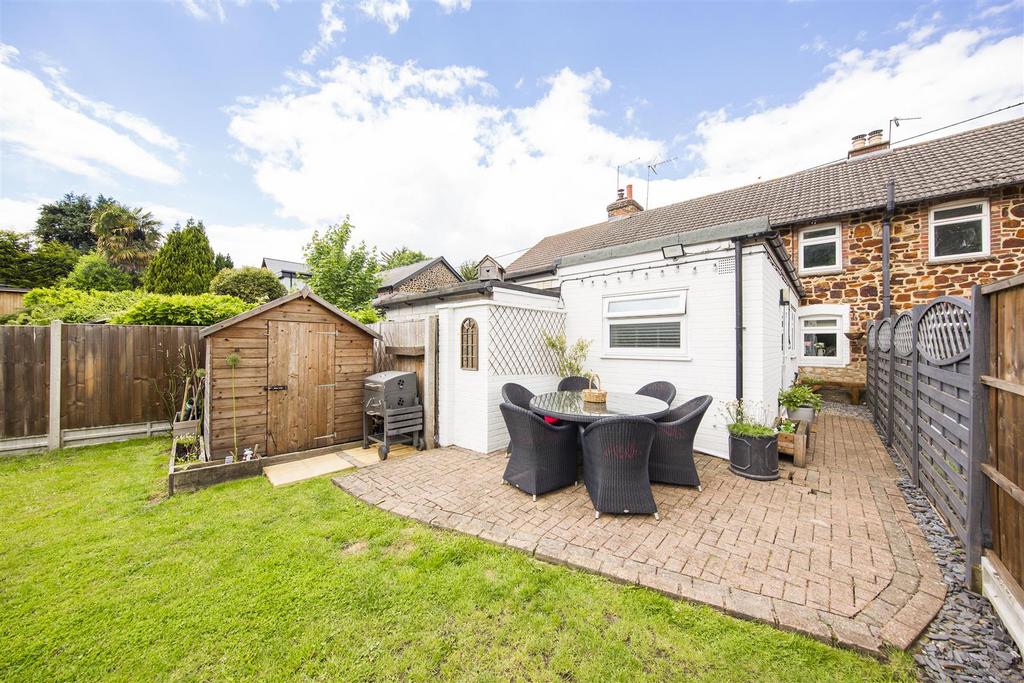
(801,414)
(754,457)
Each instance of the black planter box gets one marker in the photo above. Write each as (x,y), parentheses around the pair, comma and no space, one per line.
(754,457)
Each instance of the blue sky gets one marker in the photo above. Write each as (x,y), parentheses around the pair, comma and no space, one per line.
(462,127)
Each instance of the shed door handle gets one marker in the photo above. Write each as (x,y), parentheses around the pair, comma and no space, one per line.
(275,387)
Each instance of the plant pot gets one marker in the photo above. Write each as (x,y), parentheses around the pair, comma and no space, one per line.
(801,414)
(754,457)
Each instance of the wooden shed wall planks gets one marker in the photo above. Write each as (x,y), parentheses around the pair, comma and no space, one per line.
(353,361)
(24,380)
(10,301)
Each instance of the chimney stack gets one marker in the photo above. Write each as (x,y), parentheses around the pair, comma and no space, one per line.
(624,204)
(867,143)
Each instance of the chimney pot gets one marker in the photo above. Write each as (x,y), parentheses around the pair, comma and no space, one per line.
(875,137)
(629,191)
(621,194)
(859,141)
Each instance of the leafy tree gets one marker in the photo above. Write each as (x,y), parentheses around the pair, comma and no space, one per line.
(184,265)
(93,272)
(403,256)
(69,220)
(127,238)
(366,315)
(222,261)
(468,270)
(23,266)
(254,285)
(347,277)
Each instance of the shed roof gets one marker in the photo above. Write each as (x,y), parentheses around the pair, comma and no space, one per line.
(396,276)
(957,164)
(304,293)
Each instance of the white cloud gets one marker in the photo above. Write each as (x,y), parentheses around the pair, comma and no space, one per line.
(388,12)
(50,126)
(330,25)
(19,214)
(996,10)
(423,157)
(450,6)
(818,44)
(204,10)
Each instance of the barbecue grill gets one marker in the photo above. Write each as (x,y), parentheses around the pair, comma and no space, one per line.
(391,404)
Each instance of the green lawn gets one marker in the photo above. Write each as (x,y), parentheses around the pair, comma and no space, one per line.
(102,577)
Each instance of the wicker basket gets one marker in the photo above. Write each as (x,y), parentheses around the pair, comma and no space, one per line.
(595,394)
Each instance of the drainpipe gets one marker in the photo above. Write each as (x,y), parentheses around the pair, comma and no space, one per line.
(890,205)
(738,245)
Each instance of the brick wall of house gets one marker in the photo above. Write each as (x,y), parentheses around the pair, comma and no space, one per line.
(434,277)
(913,279)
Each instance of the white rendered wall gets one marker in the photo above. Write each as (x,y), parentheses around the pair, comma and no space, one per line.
(462,394)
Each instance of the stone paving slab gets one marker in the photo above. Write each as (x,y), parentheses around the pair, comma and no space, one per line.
(830,550)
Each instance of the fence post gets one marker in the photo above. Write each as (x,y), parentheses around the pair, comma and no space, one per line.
(915,444)
(979,435)
(430,380)
(891,398)
(53,435)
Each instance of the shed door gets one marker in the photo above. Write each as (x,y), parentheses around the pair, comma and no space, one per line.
(300,358)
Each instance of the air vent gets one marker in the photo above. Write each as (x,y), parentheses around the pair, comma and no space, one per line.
(726,266)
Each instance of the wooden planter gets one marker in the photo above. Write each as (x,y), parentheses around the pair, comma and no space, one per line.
(795,444)
(185,427)
(198,475)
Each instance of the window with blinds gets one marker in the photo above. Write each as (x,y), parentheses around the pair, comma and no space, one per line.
(648,324)
(470,345)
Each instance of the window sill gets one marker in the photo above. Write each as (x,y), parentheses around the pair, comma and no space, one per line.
(636,356)
(947,260)
(820,362)
(814,273)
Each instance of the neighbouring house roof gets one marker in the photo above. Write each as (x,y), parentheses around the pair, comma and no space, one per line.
(7,288)
(396,276)
(305,293)
(278,267)
(462,289)
(955,165)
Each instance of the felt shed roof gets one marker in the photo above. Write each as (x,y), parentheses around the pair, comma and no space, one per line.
(304,293)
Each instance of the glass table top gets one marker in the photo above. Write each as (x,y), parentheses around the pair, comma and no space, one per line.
(569,405)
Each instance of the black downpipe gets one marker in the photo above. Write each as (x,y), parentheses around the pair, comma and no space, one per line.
(738,244)
(890,207)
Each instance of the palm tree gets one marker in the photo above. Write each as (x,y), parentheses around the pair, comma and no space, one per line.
(127,238)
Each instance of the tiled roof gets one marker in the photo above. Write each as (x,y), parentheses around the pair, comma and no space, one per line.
(277,266)
(965,162)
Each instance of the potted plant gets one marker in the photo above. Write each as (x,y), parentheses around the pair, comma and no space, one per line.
(800,402)
(569,358)
(753,442)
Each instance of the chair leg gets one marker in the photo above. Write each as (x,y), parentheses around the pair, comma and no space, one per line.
(657,517)
(597,515)
(535,498)
(699,488)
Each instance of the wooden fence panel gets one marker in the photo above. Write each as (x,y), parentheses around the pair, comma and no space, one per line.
(112,374)
(883,377)
(903,388)
(24,380)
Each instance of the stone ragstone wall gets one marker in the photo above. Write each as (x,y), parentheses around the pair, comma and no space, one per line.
(432,278)
(914,280)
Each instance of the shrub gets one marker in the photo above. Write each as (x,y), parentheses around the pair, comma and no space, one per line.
(750,430)
(569,360)
(799,396)
(93,272)
(747,418)
(43,305)
(366,315)
(254,285)
(181,309)
(184,265)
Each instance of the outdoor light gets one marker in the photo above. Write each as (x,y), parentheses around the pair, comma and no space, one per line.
(673,251)
(783,297)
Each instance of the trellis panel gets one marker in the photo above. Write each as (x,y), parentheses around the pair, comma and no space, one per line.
(516,345)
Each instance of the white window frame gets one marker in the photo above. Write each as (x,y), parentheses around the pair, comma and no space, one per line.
(841,313)
(986,230)
(837,239)
(673,314)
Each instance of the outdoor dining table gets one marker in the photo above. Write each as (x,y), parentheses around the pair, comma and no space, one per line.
(570,406)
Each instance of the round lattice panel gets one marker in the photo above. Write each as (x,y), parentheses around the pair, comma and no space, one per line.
(944,331)
(872,336)
(885,335)
(903,335)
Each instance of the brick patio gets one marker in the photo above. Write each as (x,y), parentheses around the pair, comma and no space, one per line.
(831,550)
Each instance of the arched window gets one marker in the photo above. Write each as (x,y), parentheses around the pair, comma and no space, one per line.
(470,345)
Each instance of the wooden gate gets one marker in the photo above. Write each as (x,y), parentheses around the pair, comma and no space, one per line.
(300,386)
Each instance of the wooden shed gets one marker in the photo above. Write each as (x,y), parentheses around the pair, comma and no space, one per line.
(298,381)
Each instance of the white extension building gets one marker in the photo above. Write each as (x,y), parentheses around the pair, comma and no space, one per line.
(662,308)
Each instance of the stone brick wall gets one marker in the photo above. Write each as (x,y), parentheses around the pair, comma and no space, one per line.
(914,280)
(434,277)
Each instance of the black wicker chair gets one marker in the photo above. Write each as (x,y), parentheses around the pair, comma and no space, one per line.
(672,454)
(666,391)
(574,384)
(615,465)
(543,455)
(517,395)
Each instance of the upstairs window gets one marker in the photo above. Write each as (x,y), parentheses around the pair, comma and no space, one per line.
(647,325)
(821,249)
(958,230)
(469,345)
